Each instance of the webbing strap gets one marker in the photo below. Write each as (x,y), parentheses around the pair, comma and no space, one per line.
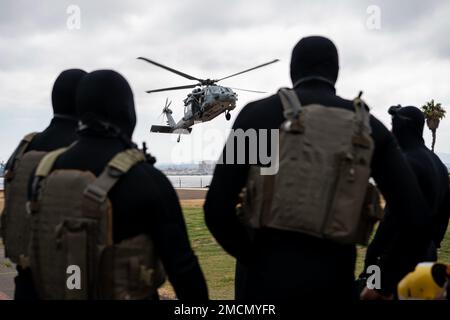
(362,114)
(46,164)
(126,159)
(29,137)
(21,148)
(24,145)
(116,168)
(268,193)
(291,103)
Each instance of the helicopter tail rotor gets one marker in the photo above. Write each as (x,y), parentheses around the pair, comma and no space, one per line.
(166,107)
(166,110)
(166,114)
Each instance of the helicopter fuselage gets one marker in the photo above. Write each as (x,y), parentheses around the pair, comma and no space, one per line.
(204,103)
(201,105)
(208,102)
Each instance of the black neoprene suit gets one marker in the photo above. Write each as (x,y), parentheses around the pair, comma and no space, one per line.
(61,132)
(143,200)
(433,179)
(290,265)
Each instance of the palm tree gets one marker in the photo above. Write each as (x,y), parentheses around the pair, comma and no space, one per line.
(433,114)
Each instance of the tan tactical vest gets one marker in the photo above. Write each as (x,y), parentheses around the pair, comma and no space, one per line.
(322,182)
(72,228)
(15,219)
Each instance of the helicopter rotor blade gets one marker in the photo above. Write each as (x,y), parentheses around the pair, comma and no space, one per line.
(173,88)
(259,66)
(170,69)
(255,91)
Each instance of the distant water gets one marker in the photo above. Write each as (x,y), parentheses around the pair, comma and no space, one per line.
(177,181)
(190,181)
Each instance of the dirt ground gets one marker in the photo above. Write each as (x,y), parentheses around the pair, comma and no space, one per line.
(189,198)
(192,203)
(191,193)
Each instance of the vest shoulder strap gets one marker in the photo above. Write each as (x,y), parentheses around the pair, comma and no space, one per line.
(362,114)
(291,103)
(46,164)
(29,137)
(18,153)
(118,166)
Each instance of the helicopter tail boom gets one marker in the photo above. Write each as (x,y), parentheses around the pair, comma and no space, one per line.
(167,129)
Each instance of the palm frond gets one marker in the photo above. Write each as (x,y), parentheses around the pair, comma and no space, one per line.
(433,110)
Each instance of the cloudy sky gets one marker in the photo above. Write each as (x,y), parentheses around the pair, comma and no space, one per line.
(404,57)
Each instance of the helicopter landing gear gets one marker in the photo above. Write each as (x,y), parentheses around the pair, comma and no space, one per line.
(227,115)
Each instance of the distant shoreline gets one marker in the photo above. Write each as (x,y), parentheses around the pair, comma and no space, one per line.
(186,174)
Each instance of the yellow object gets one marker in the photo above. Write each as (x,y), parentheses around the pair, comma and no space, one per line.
(425,282)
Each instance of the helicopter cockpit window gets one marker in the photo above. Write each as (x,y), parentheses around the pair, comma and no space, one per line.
(187,109)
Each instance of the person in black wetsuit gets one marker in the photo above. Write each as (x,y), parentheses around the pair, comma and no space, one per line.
(289,265)
(144,200)
(432,175)
(61,132)
(62,128)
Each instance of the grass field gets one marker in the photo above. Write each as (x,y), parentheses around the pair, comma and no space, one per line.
(218,266)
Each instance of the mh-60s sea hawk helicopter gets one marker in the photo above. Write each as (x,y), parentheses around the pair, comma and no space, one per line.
(204,103)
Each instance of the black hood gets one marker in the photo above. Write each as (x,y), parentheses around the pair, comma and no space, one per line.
(104,96)
(407,125)
(64,92)
(314,58)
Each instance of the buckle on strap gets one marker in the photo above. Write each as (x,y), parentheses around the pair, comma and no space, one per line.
(9,174)
(290,102)
(24,261)
(290,113)
(146,275)
(114,172)
(95,193)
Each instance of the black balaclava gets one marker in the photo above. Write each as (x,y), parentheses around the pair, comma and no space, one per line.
(314,58)
(105,104)
(64,93)
(407,125)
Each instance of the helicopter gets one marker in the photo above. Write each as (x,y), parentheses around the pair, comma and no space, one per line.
(204,103)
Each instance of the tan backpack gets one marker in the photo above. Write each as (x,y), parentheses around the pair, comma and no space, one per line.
(324,168)
(15,219)
(72,227)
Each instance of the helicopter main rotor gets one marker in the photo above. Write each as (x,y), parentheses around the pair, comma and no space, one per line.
(201,82)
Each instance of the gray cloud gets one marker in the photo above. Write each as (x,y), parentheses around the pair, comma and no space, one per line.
(406,61)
